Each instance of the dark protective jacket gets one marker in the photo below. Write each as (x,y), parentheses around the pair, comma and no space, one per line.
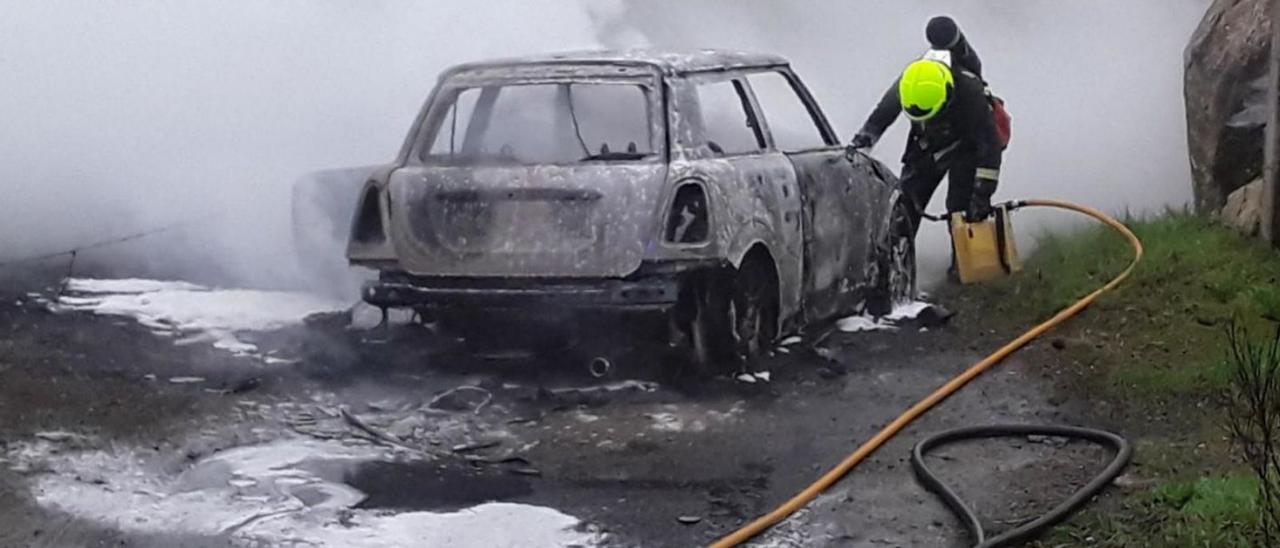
(963,57)
(965,126)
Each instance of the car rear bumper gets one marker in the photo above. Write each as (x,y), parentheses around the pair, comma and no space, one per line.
(650,293)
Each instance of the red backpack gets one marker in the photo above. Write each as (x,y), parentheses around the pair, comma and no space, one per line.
(1004,122)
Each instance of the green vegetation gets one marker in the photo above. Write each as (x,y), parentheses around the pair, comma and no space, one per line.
(1211,512)
(1152,359)
(1160,335)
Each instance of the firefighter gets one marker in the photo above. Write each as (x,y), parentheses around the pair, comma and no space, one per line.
(953,134)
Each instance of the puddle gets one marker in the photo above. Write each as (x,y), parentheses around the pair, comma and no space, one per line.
(431,486)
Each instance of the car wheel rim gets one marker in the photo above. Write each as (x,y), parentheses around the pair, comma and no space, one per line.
(748,332)
(751,314)
(901,270)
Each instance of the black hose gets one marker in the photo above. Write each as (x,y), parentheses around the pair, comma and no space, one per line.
(1122,448)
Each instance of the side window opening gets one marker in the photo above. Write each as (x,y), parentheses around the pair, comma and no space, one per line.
(728,123)
(793,125)
(688,222)
(453,131)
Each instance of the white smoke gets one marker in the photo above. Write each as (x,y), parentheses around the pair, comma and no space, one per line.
(122,116)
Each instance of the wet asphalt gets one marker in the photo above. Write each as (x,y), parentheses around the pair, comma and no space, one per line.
(650,455)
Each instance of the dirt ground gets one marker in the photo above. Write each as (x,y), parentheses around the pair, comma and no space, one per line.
(641,458)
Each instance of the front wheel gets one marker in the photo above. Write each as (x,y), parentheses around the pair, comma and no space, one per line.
(895,273)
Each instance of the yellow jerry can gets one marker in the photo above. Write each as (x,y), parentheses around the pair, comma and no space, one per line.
(984,250)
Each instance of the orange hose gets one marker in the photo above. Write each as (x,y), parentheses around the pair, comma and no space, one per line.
(834,475)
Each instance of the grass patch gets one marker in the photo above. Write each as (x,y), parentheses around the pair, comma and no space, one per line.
(1218,500)
(1161,334)
(1217,512)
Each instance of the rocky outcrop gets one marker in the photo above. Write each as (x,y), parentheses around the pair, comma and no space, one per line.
(1243,210)
(1225,85)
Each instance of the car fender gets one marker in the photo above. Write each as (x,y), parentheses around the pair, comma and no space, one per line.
(882,227)
(750,236)
(892,193)
(759,233)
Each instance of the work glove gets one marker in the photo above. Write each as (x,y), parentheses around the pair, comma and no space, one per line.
(980,200)
(862,141)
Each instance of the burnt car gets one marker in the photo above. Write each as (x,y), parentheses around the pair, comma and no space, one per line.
(703,191)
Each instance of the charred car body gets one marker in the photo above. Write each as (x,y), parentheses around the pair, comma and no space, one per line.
(704,189)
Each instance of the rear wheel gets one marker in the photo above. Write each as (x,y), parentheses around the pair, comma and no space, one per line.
(895,280)
(735,316)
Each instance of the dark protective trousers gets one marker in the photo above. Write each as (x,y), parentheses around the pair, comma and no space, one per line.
(922,172)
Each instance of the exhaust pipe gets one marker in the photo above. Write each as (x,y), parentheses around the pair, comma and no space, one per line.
(599,367)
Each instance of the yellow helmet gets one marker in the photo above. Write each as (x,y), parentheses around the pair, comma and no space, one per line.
(924,89)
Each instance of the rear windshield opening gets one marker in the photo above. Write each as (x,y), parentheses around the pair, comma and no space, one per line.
(552,123)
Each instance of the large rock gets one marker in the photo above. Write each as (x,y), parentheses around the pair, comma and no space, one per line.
(1226,76)
(1243,210)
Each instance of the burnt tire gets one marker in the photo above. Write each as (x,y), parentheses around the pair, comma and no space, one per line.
(735,316)
(895,272)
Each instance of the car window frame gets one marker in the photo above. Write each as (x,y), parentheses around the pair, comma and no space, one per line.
(748,102)
(816,116)
(448,91)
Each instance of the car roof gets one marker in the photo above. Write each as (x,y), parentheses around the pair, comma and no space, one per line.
(668,61)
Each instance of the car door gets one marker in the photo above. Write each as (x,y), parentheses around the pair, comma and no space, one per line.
(752,184)
(838,200)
